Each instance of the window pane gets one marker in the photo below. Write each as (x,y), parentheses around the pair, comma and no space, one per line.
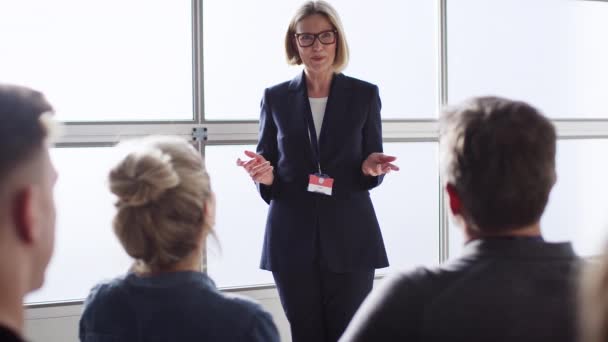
(240,221)
(393,48)
(86,249)
(514,48)
(406,205)
(101,60)
(591,53)
(576,210)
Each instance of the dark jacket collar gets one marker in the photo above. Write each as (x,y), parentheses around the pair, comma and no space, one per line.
(171,279)
(298,83)
(518,248)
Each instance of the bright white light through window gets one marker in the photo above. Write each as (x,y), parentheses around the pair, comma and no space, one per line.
(101,60)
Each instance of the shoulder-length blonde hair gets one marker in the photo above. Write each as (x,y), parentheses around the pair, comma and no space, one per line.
(325,9)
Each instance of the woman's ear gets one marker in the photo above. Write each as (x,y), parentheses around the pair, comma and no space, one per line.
(209,211)
(454,199)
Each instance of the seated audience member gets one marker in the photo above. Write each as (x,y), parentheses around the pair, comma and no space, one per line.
(165,211)
(498,167)
(27,209)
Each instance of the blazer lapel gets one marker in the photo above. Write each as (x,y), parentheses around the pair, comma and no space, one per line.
(300,109)
(336,109)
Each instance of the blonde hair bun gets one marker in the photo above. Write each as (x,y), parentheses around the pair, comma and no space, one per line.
(143,177)
(163,190)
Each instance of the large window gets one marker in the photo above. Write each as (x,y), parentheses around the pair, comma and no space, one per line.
(407,207)
(591,54)
(116,70)
(86,249)
(557,64)
(515,48)
(392,44)
(234,258)
(576,211)
(102,60)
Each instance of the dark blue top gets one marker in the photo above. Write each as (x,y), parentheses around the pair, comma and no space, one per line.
(177,306)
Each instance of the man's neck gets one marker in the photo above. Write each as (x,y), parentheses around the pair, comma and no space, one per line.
(532,230)
(11,314)
(192,263)
(14,284)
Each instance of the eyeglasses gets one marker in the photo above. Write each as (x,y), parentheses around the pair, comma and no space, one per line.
(308,39)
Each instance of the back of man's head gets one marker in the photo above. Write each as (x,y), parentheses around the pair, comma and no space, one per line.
(27,211)
(21,132)
(499,156)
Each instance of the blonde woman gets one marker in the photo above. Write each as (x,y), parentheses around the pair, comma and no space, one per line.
(319,153)
(165,211)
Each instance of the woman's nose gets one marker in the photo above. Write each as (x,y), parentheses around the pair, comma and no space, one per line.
(316,45)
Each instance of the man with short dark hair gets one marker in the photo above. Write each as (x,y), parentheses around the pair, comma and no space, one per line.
(498,167)
(27,211)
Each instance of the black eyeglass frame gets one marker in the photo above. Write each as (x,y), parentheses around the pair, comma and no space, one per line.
(316,36)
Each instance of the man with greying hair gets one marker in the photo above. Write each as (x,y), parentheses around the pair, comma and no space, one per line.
(498,165)
(27,211)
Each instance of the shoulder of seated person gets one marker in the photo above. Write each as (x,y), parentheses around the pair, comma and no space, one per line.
(240,299)
(414,282)
(105,288)
(248,304)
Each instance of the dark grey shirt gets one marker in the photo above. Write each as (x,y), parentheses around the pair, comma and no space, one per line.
(178,306)
(499,290)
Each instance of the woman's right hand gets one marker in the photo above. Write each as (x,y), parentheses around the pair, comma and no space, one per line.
(258,167)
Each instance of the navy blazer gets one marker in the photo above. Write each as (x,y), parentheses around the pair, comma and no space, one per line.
(341,230)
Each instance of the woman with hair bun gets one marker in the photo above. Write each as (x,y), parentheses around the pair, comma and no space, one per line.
(165,211)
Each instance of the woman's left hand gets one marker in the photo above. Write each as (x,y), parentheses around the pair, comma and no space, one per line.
(378,164)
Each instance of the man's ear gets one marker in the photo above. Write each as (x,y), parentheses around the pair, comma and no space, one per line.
(454,198)
(23,212)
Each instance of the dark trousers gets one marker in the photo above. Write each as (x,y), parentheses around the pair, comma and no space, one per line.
(319,303)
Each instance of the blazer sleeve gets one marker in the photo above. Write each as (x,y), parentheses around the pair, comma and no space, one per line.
(372,137)
(267,146)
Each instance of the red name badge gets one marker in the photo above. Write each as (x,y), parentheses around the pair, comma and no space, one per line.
(321,184)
